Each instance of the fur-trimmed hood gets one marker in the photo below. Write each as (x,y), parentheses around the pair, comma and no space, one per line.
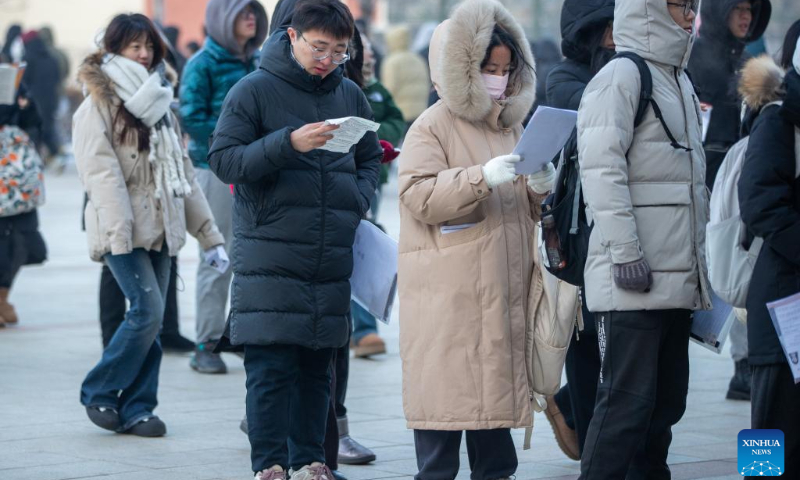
(99,85)
(457,49)
(761,82)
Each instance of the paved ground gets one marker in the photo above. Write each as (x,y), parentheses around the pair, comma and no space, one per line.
(44,432)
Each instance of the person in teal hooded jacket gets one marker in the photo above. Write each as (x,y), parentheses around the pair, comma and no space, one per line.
(236,30)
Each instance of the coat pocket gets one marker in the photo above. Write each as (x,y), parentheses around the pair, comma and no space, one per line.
(663,213)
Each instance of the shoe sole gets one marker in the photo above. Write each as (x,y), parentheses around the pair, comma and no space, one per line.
(560,441)
(368,351)
(357,461)
(210,371)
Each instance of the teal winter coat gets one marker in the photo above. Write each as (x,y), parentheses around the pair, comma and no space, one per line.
(207,78)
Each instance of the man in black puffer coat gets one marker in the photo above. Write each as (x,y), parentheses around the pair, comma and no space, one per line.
(587,44)
(717,57)
(295,211)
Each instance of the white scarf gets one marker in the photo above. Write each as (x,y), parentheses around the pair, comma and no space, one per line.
(147,96)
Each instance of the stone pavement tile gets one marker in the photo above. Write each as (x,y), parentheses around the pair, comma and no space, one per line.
(394,452)
(703,470)
(711,451)
(368,472)
(195,457)
(74,470)
(15,460)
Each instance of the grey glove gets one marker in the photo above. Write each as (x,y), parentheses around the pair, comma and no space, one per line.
(634,276)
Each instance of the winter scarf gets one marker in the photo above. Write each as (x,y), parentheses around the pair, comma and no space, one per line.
(147,96)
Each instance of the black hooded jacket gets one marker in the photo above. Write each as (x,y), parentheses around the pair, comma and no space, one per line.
(716,58)
(769,199)
(295,214)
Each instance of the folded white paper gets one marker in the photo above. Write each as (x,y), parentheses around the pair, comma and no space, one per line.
(350,132)
(785,315)
(374,281)
(445,229)
(217,258)
(710,327)
(545,136)
(10,76)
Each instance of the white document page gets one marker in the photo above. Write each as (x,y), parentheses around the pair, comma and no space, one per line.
(445,229)
(350,132)
(545,136)
(8,84)
(785,315)
(374,281)
(710,327)
(706,117)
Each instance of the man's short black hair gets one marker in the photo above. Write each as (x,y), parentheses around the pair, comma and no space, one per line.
(331,17)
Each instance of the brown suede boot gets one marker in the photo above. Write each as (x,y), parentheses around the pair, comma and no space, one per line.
(7,313)
(566,437)
(370,345)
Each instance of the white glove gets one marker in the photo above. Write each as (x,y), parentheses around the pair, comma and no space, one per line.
(542,182)
(217,258)
(500,170)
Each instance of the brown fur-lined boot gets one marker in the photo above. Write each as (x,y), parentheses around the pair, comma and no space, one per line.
(7,313)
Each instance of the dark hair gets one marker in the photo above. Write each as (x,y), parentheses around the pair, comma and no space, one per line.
(501,36)
(790,44)
(124,29)
(354,68)
(331,17)
(598,54)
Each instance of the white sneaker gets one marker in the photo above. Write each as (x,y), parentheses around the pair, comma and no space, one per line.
(315,471)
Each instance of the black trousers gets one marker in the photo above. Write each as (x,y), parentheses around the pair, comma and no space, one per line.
(641,394)
(491,453)
(775,404)
(112,304)
(576,399)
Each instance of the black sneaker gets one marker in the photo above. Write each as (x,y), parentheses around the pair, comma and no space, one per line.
(149,427)
(739,388)
(175,343)
(205,360)
(104,417)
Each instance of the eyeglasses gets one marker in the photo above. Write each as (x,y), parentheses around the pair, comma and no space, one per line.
(688,7)
(743,10)
(320,54)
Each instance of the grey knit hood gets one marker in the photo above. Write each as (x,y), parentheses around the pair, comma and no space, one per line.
(220,22)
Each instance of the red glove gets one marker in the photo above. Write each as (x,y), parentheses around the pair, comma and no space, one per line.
(231,189)
(389,153)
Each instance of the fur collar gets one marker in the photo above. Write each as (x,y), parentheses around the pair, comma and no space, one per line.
(97,84)
(761,82)
(457,50)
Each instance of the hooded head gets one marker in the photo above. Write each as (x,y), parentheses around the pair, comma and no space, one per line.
(716,15)
(398,39)
(221,22)
(282,15)
(458,48)
(647,28)
(578,19)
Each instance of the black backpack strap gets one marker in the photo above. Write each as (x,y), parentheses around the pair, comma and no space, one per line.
(646,97)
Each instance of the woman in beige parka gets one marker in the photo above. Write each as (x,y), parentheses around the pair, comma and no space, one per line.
(468,282)
(142,199)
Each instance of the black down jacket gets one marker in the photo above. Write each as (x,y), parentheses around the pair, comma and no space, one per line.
(769,199)
(716,58)
(295,214)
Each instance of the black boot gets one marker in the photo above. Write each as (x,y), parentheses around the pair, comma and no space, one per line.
(739,388)
(350,451)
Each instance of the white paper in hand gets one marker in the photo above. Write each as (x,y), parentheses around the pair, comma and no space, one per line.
(374,280)
(217,258)
(9,83)
(350,132)
(710,328)
(545,136)
(785,315)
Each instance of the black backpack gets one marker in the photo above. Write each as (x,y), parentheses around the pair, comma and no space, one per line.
(566,203)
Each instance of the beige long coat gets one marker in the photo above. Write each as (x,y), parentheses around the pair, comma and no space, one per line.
(466,298)
(122,212)
(647,198)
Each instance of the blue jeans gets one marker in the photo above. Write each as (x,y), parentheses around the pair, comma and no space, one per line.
(363,322)
(126,379)
(288,396)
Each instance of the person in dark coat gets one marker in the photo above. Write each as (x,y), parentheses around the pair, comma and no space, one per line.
(42,76)
(13,48)
(296,209)
(20,241)
(718,55)
(769,200)
(587,44)
(547,55)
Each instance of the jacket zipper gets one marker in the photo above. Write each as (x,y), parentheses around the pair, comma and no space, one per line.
(324,197)
(701,279)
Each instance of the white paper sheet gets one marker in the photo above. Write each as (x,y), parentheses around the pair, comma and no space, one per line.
(445,229)
(350,131)
(710,327)
(545,136)
(8,84)
(374,281)
(706,116)
(785,315)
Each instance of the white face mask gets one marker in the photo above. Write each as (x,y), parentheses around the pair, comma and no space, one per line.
(495,85)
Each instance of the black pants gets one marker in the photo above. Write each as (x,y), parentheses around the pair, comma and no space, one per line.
(492,454)
(775,403)
(576,399)
(288,393)
(331,442)
(644,379)
(112,304)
